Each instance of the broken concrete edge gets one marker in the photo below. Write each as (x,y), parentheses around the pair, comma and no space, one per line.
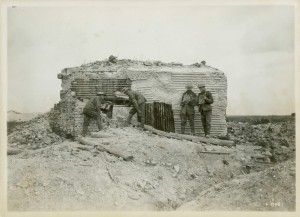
(106,66)
(113,60)
(190,138)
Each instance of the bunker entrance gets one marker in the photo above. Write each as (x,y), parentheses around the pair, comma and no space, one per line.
(86,89)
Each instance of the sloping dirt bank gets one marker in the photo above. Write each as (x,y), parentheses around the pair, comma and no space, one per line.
(165,174)
(270,190)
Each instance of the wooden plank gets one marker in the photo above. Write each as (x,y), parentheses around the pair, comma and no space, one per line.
(101,135)
(162,125)
(155,125)
(213,152)
(167,117)
(152,114)
(110,150)
(190,138)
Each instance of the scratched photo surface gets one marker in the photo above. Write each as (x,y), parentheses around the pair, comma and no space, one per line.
(151,107)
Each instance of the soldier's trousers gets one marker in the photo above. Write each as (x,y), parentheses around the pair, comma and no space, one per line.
(88,115)
(141,118)
(184,118)
(206,119)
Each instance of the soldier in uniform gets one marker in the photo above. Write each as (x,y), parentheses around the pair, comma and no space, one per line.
(204,102)
(92,109)
(188,101)
(139,102)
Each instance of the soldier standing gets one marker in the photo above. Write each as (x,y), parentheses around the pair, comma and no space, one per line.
(139,105)
(188,101)
(92,109)
(204,102)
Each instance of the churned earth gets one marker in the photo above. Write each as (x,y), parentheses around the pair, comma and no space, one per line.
(164,174)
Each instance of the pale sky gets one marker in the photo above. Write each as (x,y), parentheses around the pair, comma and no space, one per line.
(253,45)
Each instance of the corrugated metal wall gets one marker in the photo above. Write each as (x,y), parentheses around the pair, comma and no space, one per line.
(217,85)
(88,88)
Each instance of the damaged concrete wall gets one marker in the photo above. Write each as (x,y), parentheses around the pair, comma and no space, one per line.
(157,81)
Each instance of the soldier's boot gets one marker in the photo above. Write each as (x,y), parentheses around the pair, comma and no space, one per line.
(85,125)
(208,131)
(143,121)
(182,129)
(129,119)
(142,124)
(193,131)
(84,131)
(205,131)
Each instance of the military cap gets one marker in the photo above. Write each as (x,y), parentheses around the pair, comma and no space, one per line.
(189,86)
(201,85)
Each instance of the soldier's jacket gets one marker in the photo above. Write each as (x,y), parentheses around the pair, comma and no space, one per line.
(134,95)
(204,105)
(94,104)
(188,101)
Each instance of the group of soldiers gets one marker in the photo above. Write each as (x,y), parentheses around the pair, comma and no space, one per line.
(93,109)
(188,102)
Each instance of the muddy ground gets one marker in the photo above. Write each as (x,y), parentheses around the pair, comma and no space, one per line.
(47,173)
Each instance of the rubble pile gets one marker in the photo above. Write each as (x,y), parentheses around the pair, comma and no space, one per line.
(33,134)
(273,189)
(113,61)
(276,139)
(162,174)
(62,117)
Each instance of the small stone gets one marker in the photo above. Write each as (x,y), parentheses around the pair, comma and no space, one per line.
(134,195)
(225,162)
(217,188)
(177,168)
(267,153)
(182,197)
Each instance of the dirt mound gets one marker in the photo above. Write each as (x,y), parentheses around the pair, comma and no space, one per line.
(33,134)
(278,139)
(46,173)
(270,190)
(164,174)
